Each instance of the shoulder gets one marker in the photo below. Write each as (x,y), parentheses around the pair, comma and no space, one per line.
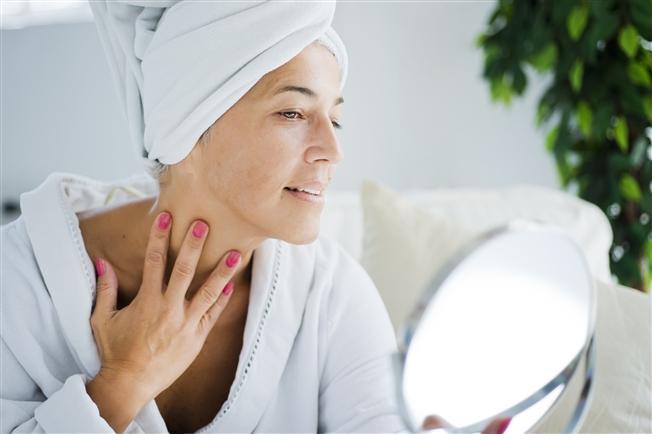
(328,260)
(18,260)
(24,293)
(340,278)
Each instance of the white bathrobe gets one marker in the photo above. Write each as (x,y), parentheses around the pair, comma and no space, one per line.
(316,346)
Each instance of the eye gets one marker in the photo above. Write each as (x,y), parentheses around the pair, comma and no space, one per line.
(292,113)
(335,123)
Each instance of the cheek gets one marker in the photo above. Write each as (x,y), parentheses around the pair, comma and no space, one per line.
(257,174)
(269,165)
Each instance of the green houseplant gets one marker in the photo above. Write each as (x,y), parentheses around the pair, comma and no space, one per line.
(597,107)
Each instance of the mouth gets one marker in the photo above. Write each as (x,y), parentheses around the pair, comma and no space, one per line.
(305,196)
(306,191)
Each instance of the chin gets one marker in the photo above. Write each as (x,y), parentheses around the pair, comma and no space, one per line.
(305,235)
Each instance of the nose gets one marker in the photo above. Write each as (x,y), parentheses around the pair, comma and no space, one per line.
(326,145)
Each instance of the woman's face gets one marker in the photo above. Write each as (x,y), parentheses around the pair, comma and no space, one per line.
(269,140)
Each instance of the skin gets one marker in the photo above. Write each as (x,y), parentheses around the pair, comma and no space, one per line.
(237,178)
(233,180)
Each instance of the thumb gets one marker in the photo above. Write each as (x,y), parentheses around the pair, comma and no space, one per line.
(106,288)
(434,421)
(497,426)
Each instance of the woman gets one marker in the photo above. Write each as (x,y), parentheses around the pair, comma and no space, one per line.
(216,306)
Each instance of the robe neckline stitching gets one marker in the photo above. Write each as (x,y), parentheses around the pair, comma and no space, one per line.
(76,234)
(252,353)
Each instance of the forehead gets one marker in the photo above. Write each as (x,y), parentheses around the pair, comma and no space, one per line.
(314,67)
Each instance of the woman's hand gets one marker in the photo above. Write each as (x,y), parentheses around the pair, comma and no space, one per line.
(148,344)
(497,426)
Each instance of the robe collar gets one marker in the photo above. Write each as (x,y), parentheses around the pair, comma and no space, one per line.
(282,275)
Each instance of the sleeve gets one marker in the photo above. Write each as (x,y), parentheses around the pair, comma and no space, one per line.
(357,388)
(24,408)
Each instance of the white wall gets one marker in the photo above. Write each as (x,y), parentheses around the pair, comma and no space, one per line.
(417,113)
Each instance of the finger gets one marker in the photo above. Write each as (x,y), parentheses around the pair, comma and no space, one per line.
(156,255)
(106,290)
(497,426)
(433,421)
(213,313)
(210,292)
(184,267)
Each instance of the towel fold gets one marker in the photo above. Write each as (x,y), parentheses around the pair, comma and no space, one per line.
(180,65)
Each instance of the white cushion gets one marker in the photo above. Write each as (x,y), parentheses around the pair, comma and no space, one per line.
(405,244)
(477,210)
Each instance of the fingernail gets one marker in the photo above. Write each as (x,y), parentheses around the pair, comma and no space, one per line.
(164,221)
(199,230)
(503,425)
(228,288)
(232,259)
(99,267)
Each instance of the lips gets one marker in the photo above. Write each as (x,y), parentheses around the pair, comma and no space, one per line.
(314,193)
(314,187)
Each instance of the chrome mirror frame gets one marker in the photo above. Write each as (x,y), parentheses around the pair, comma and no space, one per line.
(582,364)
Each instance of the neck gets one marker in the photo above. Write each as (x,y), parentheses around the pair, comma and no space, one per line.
(226,232)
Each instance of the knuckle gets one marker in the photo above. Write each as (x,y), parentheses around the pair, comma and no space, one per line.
(167,314)
(159,235)
(102,286)
(170,319)
(224,272)
(184,269)
(205,323)
(208,294)
(194,243)
(154,257)
(208,318)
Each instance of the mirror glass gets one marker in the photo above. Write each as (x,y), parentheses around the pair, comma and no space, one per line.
(499,331)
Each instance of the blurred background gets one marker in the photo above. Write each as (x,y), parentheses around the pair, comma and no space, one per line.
(417,111)
(423,102)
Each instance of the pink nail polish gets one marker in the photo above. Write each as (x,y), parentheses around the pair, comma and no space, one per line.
(100,269)
(232,259)
(164,221)
(228,288)
(503,425)
(199,230)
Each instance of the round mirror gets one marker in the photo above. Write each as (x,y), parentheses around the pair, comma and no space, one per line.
(499,333)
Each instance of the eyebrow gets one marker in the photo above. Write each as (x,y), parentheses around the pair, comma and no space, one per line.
(304,91)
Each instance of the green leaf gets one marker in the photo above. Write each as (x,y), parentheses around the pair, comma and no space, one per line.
(519,80)
(544,59)
(629,40)
(629,188)
(585,117)
(639,74)
(551,139)
(564,171)
(501,90)
(491,52)
(647,107)
(480,39)
(603,112)
(647,59)
(639,150)
(543,112)
(622,133)
(575,75)
(577,21)
(641,11)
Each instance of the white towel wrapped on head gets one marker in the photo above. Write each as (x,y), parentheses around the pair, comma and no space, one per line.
(180,65)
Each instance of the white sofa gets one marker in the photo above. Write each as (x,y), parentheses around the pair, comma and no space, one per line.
(427,226)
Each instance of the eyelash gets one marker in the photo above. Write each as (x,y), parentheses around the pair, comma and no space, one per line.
(335,123)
